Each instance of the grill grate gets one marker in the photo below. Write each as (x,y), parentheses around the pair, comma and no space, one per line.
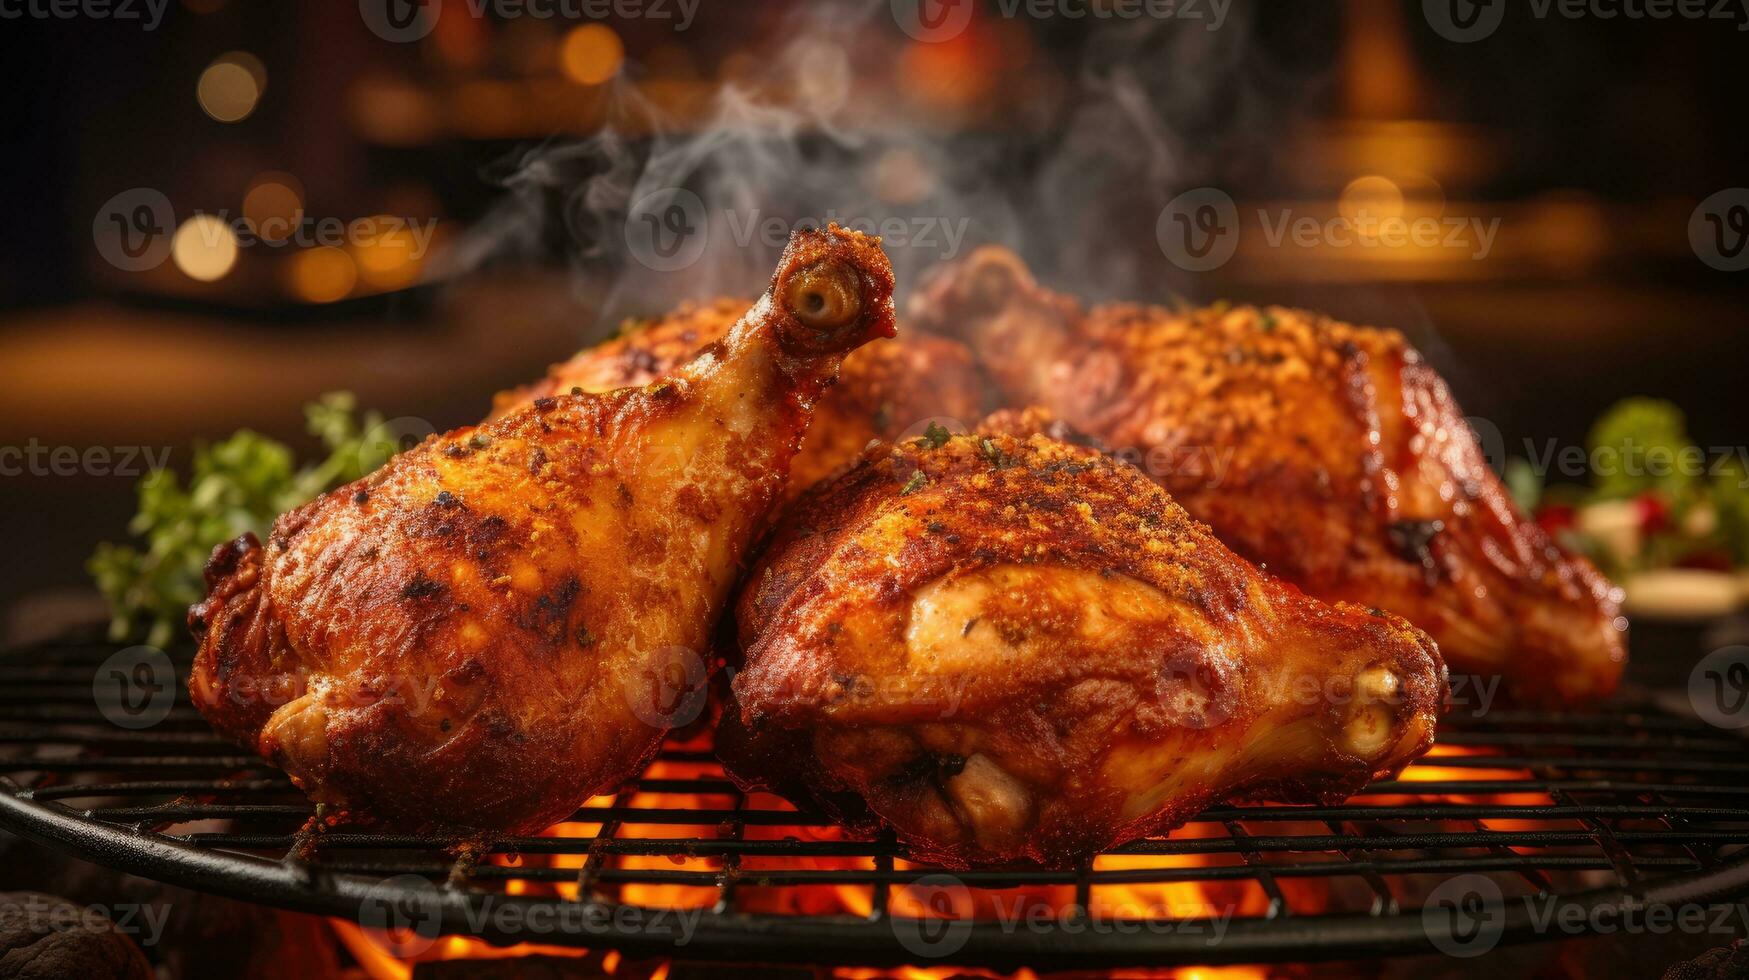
(1570,809)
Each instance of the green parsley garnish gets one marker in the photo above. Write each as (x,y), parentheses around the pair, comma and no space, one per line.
(934,436)
(237,485)
(917,482)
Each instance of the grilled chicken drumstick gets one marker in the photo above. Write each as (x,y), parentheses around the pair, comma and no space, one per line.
(1331,454)
(489,629)
(1009,648)
(886,389)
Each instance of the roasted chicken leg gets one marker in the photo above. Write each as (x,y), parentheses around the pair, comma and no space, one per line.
(1013,649)
(495,625)
(887,389)
(1332,455)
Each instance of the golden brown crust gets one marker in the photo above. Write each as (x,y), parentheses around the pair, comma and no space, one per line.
(478,635)
(1112,635)
(1330,453)
(886,390)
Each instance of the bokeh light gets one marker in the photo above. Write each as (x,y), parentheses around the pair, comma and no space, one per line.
(204,248)
(322,274)
(592,54)
(1371,198)
(230,88)
(273,205)
(390,258)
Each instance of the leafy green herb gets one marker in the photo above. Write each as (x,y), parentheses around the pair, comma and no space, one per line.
(1523,482)
(934,436)
(1730,496)
(240,484)
(1628,436)
(917,482)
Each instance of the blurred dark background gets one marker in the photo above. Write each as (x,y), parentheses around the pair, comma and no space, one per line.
(1591,140)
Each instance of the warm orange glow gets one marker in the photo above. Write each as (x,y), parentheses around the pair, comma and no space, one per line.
(1370,199)
(322,274)
(390,256)
(591,54)
(377,962)
(1379,73)
(954,75)
(273,205)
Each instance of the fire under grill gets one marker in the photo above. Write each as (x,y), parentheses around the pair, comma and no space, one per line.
(1528,810)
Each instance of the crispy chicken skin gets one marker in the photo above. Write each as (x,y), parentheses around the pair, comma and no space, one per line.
(1011,649)
(493,627)
(1331,454)
(886,390)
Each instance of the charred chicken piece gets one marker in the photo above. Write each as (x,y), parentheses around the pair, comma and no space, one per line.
(496,625)
(1331,454)
(886,390)
(1015,650)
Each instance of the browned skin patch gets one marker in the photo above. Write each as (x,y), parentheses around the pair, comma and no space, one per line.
(472,637)
(886,388)
(1330,453)
(1014,649)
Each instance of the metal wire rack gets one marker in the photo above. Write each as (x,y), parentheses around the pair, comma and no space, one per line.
(1630,804)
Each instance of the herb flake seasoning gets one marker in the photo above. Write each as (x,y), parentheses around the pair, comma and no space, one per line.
(935,436)
(917,482)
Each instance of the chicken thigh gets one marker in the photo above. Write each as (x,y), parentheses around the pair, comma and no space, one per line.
(1332,455)
(887,389)
(1013,649)
(502,621)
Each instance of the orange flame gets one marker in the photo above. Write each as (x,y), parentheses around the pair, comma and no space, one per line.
(1238,896)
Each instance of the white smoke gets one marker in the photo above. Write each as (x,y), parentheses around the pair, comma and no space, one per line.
(1145,108)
